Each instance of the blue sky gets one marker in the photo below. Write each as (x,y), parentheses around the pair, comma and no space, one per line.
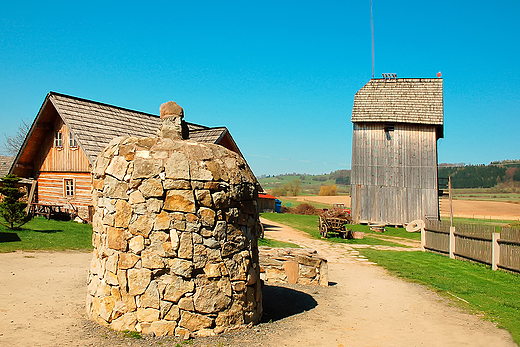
(280,75)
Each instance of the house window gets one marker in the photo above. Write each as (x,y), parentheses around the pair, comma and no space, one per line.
(72,141)
(58,140)
(68,187)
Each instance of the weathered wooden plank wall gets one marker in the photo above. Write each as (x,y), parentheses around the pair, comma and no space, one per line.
(394,173)
(65,158)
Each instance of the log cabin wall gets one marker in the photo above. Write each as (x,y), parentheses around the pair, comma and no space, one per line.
(394,172)
(64,171)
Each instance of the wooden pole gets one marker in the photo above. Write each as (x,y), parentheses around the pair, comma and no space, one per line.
(451,201)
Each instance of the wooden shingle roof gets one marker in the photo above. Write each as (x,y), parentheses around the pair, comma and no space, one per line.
(402,100)
(5,165)
(95,124)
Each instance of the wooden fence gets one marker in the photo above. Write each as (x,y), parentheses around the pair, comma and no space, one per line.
(495,246)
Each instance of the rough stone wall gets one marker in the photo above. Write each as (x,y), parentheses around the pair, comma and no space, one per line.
(293,265)
(175,238)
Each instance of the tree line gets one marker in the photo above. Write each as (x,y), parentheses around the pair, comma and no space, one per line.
(480,176)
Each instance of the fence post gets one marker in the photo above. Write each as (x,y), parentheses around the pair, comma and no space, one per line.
(423,239)
(452,242)
(495,252)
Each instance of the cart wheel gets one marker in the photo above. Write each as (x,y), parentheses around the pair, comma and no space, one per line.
(325,231)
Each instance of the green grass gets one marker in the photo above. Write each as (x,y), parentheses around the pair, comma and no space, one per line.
(495,222)
(389,231)
(276,244)
(287,202)
(43,234)
(309,224)
(496,294)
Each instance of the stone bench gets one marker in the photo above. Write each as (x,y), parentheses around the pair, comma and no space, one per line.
(293,265)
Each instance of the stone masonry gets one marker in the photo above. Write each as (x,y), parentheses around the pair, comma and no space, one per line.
(293,265)
(175,236)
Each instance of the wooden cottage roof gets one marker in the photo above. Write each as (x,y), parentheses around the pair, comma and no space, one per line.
(401,100)
(95,124)
(5,165)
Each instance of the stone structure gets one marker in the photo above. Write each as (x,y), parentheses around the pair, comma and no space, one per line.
(293,265)
(175,235)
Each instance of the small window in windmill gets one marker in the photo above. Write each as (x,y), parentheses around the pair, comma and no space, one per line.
(389,129)
(72,141)
(69,187)
(58,140)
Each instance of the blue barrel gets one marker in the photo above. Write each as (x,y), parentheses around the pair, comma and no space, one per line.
(278,206)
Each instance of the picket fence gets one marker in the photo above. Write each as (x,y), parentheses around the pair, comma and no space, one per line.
(495,246)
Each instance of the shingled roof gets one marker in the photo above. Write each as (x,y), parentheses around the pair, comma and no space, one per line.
(402,100)
(95,124)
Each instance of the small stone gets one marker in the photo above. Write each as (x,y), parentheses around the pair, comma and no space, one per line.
(136,244)
(163,327)
(214,270)
(194,322)
(204,198)
(123,214)
(163,220)
(181,267)
(151,187)
(150,298)
(180,201)
(106,306)
(116,238)
(177,167)
(151,260)
(210,298)
(138,280)
(117,167)
(291,269)
(186,304)
(147,314)
(126,322)
(185,250)
(174,239)
(171,108)
(142,226)
(178,288)
(154,205)
(207,217)
(146,168)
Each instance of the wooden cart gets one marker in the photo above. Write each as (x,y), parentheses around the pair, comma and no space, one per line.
(334,221)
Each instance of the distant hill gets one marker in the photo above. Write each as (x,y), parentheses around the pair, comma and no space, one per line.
(505,173)
(308,184)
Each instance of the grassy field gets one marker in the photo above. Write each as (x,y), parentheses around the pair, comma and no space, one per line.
(288,202)
(486,194)
(495,294)
(43,234)
(310,185)
(309,224)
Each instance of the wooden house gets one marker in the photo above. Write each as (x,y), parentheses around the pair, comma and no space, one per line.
(266,202)
(396,125)
(66,138)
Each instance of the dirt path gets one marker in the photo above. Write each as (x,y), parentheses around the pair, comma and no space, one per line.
(42,304)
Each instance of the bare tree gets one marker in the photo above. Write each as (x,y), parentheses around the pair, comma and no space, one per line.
(13,143)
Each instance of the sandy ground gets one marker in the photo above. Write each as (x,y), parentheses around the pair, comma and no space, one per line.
(42,304)
(461,208)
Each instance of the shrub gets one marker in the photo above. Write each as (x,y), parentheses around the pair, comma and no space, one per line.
(11,209)
(328,190)
(306,209)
